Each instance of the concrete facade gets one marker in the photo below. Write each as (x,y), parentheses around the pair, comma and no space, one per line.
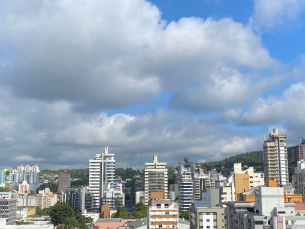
(155,178)
(186,184)
(162,214)
(268,211)
(275,158)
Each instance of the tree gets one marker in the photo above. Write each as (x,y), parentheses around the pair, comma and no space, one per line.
(59,212)
(70,222)
(139,211)
(120,213)
(185,215)
(4,189)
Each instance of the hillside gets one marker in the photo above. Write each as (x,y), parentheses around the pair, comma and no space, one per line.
(249,159)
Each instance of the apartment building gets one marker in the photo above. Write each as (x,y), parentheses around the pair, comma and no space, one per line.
(207,213)
(113,196)
(298,179)
(297,154)
(63,182)
(162,214)
(2,176)
(275,158)
(156,178)
(239,182)
(8,208)
(186,185)
(101,173)
(268,211)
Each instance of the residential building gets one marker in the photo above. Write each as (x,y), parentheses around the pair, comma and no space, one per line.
(142,224)
(46,199)
(24,188)
(275,158)
(207,213)
(297,154)
(139,191)
(5,195)
(63,181)
(113,197)
(185,184)
(289,195)
(28,202)
(162,214)
(2,176)
(8,210)
(101,173)
(155,178)
(239,182)
(298,179)
(268,211)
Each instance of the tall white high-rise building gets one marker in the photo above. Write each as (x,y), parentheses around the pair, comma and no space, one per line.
(155,179)
(275,158)
(101,173)
(186,185)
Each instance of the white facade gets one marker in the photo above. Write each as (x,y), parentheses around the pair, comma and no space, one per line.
(186,184)
(109,168)
(162,214)
(267,212)
(139,196)
(155,178)
(101,173)
(95,166)
(228,191)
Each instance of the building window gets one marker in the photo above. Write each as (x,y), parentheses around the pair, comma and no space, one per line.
(160,226)
(166,205)
(166,213)
(208,220)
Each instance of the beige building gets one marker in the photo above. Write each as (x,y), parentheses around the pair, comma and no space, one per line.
(275,158)
(45,199)
(162,214)
(155,179)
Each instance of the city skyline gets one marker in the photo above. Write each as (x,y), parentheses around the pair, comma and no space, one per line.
(204,79)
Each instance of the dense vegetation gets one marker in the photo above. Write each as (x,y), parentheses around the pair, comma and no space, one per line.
(120,213)
(4,189)
(128,173)
(62,213)
(82,174)
(53,187)
(254,159)
(185,215)
(140,211)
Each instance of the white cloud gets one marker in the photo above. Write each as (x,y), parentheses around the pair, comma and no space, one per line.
(270,13)
(27,158)
(114,53)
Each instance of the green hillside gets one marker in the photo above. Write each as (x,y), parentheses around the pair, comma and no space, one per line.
(254,159)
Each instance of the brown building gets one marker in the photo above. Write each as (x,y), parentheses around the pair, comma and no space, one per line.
(297,154)
(63,181)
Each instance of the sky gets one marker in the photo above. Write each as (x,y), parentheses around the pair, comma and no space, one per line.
(203,79)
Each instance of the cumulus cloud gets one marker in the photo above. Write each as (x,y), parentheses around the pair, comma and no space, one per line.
(114,53)
(32,132)
(286,111)
(268,14)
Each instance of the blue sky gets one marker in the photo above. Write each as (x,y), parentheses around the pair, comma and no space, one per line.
(206,79)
